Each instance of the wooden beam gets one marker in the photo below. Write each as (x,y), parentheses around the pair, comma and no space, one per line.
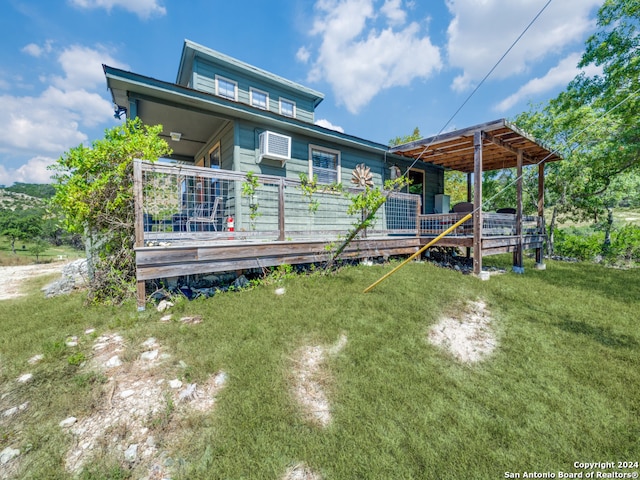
(477,203)
(517,255)
(141,293)
(539,252)
(501,143)
(281,226)
(467,251)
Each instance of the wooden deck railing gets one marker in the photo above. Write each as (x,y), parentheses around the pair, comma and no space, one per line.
(493,224)
(179,203)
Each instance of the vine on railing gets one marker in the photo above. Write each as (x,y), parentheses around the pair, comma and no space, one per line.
(249,188)
(310,188)
(367,203)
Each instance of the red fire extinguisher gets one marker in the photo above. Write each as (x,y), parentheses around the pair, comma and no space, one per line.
(230,227)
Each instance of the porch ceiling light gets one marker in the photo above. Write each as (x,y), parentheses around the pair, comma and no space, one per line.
(175,136)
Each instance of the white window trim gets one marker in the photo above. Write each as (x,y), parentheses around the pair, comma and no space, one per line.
(257,90)
(327,150)
(288,101)
(235,87)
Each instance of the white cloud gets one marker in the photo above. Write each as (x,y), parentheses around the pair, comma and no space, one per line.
(362,52)
(58,118)
(303,55)
(482,30)
(323,122)
(142,8)
(36,50)
(34,171)
(82,67)
(42,124)
(392,9)
(33,50)
(557,77)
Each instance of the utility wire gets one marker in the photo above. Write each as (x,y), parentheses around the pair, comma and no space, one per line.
(557,150)
(480,84)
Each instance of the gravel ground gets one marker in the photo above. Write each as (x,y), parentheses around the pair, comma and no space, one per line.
(12,278)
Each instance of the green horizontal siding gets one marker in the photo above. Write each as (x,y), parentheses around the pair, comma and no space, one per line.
(204,80)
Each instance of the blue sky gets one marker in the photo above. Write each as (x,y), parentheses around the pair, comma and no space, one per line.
(385,66)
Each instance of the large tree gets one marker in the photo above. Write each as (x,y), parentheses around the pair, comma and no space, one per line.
(594,122)
(21,225)
(94,190)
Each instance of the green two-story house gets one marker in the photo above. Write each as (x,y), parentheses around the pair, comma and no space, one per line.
(223,113)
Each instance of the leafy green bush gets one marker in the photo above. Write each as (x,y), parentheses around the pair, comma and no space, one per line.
(625,243)
(583,245)
(586,244)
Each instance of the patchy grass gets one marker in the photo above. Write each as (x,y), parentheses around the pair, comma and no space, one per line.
(24,255)
(562,385)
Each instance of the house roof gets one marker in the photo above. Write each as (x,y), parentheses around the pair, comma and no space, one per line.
(500,145)
(198,115)
(190,50)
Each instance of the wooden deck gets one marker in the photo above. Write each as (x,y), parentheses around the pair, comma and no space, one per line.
(208,256)
(220,256)
(171,243)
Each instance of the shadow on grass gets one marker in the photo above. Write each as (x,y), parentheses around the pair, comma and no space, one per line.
(604,336)
(613,283)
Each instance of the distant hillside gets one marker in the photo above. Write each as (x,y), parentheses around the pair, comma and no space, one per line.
(10,200)
(38,190)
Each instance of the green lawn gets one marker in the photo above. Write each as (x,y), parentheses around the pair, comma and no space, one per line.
(563,385)
(25,256)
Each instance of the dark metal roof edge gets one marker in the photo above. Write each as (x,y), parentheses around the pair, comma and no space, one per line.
(237,107)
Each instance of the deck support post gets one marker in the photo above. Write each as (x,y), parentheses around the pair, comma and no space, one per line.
(418,213)
(477,203)
(139,228)
(541,226)
(469,199)
(281,225)
(518,266)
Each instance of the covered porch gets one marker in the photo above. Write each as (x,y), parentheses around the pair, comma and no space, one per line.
(489,146)
(195,220)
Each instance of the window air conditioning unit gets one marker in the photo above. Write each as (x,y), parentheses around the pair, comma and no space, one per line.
(274,146)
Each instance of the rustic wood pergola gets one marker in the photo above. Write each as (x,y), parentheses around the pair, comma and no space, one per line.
(489,146)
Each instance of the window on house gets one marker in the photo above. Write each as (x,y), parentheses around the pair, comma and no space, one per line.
(259,99)
(226,88)
(325,164)
(287,108)
(214,156)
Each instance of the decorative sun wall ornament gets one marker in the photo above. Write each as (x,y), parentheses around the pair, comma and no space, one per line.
(362,176)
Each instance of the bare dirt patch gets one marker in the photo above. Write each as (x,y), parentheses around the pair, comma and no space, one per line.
(468,334)
(310,379)
(12,278)
(138,402)
(301,472)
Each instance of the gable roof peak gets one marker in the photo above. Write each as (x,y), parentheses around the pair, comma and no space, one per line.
(191,50)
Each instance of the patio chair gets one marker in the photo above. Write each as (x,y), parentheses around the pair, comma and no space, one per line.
(464,207)
(506,225)
(203,216)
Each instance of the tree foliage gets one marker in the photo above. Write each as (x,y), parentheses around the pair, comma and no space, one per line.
(94,191)
(21,225)
(594,124)
(406,139)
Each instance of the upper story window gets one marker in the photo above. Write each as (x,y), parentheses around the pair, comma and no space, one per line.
(287,108)
(325,164)
(259,99)
(226,88)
